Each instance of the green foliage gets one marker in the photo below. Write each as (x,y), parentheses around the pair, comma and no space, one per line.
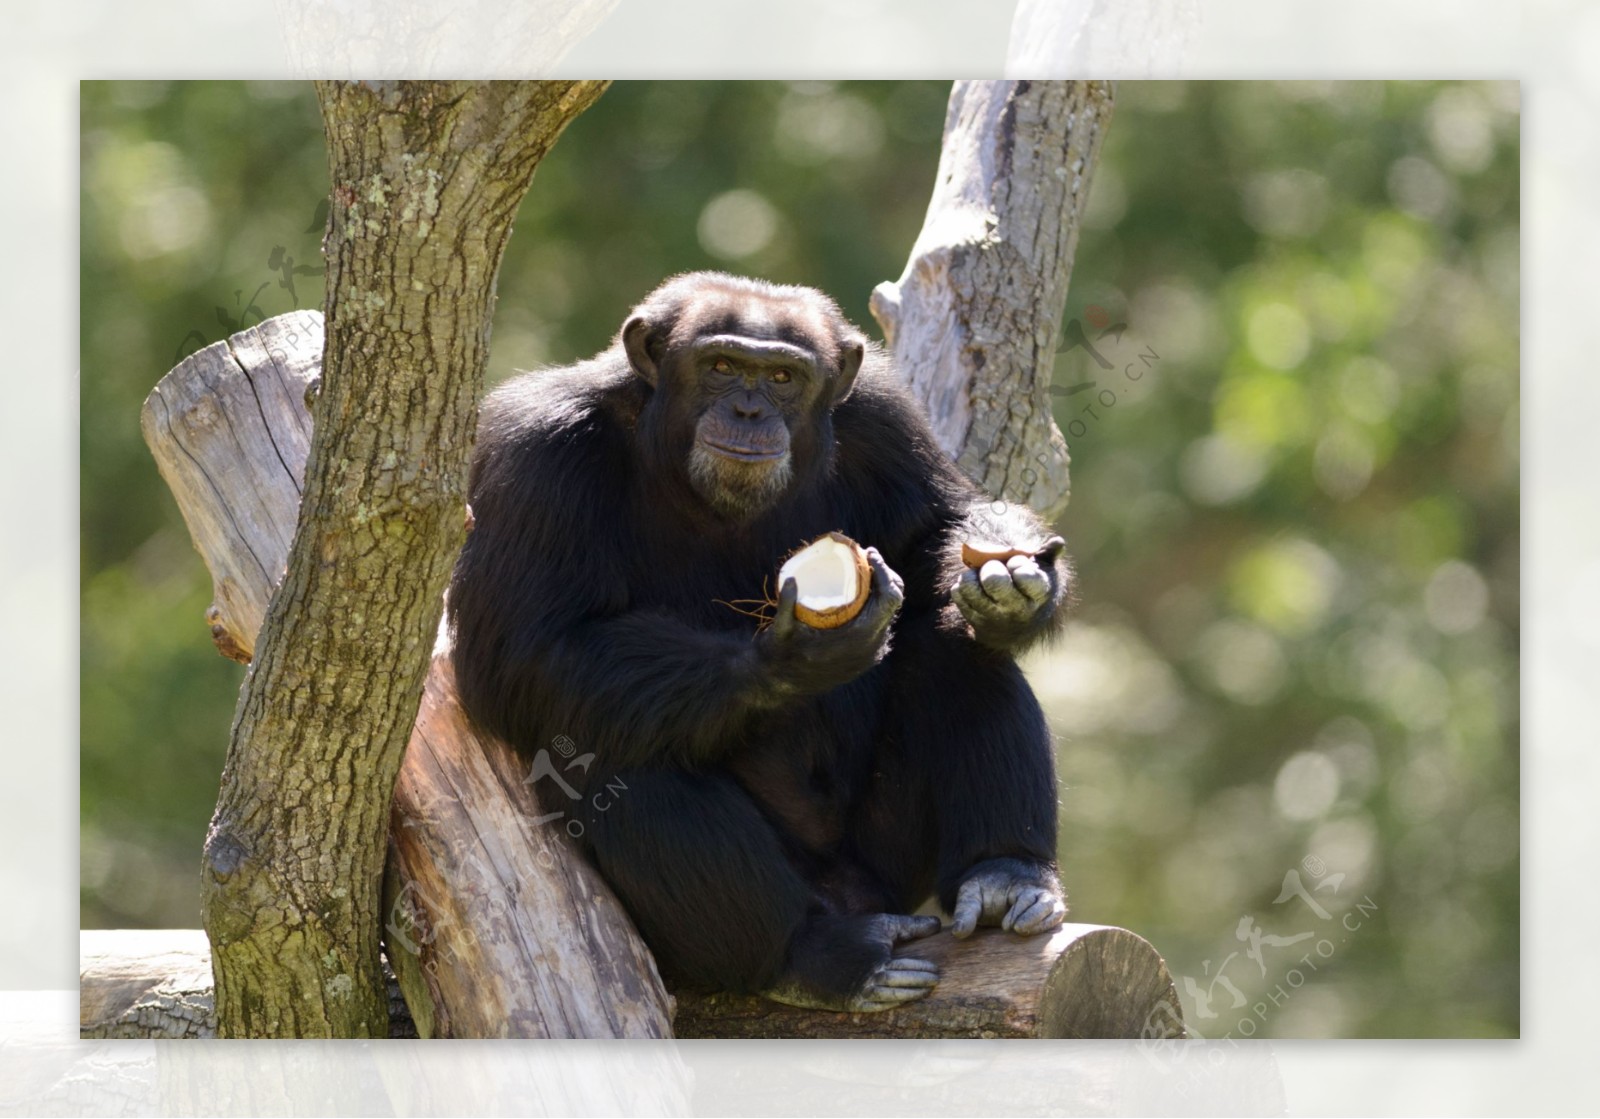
(1298,534)
(1295,490)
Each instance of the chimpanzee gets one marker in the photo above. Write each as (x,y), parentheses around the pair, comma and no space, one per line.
(770,803)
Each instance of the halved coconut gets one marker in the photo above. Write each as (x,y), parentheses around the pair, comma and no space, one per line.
(976,553)
(832,579)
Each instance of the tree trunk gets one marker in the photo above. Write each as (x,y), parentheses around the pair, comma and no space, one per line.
(482,901)
(1125,38)
(426,180)
(973,320)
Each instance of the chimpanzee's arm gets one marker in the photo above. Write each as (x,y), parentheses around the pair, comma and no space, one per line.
(910,499)
(548,641)
(560,652)
(982,743)
(996,798)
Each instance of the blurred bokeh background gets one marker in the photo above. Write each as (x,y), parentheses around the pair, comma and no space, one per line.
(1288,706)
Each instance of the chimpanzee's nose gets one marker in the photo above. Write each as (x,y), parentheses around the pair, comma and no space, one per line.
(748,407)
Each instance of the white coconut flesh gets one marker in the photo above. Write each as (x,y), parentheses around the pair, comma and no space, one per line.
(831,580)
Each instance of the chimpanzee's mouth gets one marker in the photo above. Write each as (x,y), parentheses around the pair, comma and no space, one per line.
(745,454)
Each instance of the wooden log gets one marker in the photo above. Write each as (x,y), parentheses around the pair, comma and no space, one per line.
(495,927)
(511,934)
(153,983)
(1082,981)
(230,431)
(156,984)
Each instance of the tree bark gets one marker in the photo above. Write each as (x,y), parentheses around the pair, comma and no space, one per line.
(973,320)
(1116,38)
(426,180)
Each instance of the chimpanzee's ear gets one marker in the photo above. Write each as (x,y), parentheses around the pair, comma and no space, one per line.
(642,342)
(851,352)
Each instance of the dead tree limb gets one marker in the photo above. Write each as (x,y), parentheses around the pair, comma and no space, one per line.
(974,319)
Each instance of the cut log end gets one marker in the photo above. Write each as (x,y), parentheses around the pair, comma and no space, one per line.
(229,430)
(1110,982)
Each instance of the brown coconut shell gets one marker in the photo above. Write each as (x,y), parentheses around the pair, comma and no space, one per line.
(831,617)
(976,553)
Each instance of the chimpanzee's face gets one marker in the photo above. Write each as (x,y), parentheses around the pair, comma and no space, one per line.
(746,390)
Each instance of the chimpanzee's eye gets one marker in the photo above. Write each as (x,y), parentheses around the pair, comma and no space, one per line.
(781,376)
(721,366)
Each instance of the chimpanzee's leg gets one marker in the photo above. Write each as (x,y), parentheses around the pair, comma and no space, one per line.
(965,788)
(715,894)
(702,873)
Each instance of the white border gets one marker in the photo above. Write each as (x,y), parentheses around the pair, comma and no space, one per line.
(47,48)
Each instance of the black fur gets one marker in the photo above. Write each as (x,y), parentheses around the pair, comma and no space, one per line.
(743,825)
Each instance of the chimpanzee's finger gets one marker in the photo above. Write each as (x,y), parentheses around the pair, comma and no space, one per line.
(997,584)
(1029,578)
(969,907)
(783,621)
(1035,912)
(1052,550)
(884,580)
(908,926)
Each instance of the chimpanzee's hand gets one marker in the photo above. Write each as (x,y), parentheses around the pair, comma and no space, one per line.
(1006,603)
(806,660)
(1020,896)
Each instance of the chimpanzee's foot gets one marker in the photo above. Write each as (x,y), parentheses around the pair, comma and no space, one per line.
(1021,897)
(847,963)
